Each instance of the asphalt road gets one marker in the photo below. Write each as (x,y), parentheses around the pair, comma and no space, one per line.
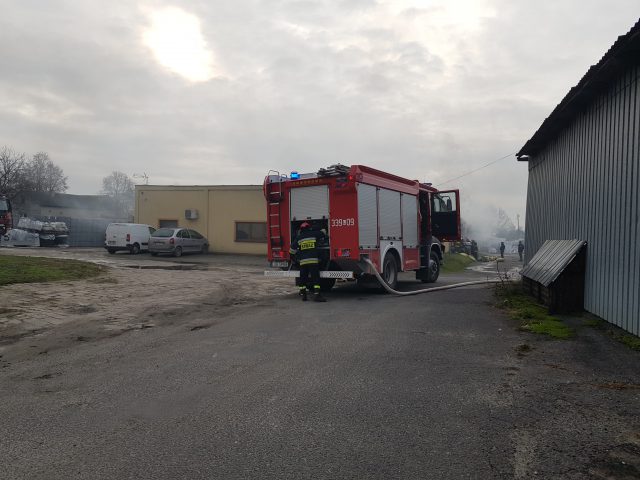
(435,386)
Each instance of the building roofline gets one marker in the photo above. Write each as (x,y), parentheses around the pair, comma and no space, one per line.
(623,53)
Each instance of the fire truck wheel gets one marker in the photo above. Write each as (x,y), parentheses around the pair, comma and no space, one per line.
(433,271)
(390,270)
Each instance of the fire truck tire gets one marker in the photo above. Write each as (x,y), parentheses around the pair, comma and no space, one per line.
(390,270)
(433,270)
(326,284)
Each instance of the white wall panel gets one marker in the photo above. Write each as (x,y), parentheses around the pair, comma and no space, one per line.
(409,221)
(310,202)
(389,214)
(367,216)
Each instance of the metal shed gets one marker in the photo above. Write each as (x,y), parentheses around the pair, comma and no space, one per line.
(584,181)
(555,275)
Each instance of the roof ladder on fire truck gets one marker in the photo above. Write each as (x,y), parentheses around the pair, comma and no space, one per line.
(274,199)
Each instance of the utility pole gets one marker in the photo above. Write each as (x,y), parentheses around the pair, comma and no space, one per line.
(518,218)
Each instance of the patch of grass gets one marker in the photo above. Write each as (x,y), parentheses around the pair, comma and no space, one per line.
(549,326)
(592,322)
(39,269)
(614,332)
(532,316)
(629,340)
(456,262)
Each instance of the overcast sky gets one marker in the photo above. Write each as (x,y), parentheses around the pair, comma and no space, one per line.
(221,91)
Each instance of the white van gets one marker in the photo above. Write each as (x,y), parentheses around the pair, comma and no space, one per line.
(127,236)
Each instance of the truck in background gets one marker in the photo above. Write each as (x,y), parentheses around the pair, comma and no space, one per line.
(396,223)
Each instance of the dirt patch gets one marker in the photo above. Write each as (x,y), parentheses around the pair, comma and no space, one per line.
(54,315)
(47,376)
(178,266)
(199,327)
(10,336)
(82,309)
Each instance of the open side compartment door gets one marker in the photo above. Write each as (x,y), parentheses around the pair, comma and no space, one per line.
(445,215)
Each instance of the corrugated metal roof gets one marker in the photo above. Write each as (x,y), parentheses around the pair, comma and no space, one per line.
(550,261)
(623,53)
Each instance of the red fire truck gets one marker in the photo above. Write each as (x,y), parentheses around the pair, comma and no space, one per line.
(6,222)
(394,222)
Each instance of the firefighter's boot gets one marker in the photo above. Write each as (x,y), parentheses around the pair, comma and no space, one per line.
(303,294)
(317,296)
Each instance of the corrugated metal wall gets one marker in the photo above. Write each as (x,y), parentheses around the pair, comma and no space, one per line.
(367,215)
(389,219)
(586,185)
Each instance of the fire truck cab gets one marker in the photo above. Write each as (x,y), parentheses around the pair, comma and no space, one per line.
(396,223)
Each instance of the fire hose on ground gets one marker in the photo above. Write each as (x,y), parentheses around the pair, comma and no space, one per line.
(432,289)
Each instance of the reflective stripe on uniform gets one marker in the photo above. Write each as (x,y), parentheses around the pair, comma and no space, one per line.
(309,261)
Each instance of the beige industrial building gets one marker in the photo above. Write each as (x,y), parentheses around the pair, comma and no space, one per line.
(232,217)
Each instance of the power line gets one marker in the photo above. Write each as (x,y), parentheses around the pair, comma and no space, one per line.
(477,169)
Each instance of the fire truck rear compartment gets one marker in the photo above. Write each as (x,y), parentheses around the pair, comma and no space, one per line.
(367,214)
(311,204)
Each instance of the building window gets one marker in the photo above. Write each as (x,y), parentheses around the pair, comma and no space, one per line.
(168,223)
(251,232)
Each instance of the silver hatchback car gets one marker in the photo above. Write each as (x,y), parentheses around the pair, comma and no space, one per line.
(177,241)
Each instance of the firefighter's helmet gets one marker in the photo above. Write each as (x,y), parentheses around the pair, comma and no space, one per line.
(305,225)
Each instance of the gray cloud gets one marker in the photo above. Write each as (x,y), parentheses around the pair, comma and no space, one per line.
(298,85)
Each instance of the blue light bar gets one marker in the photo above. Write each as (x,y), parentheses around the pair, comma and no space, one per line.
(295,175)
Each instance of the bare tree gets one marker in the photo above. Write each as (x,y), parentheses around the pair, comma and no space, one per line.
(12,167)
(42,175)
(120,187)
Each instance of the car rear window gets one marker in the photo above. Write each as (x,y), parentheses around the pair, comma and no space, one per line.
(163,232)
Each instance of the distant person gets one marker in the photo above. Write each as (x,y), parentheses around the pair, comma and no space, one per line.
(305,248)
(474,249)
(502,247)
(520,249)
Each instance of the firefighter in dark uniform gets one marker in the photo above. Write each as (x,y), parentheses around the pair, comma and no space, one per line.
(305,248)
